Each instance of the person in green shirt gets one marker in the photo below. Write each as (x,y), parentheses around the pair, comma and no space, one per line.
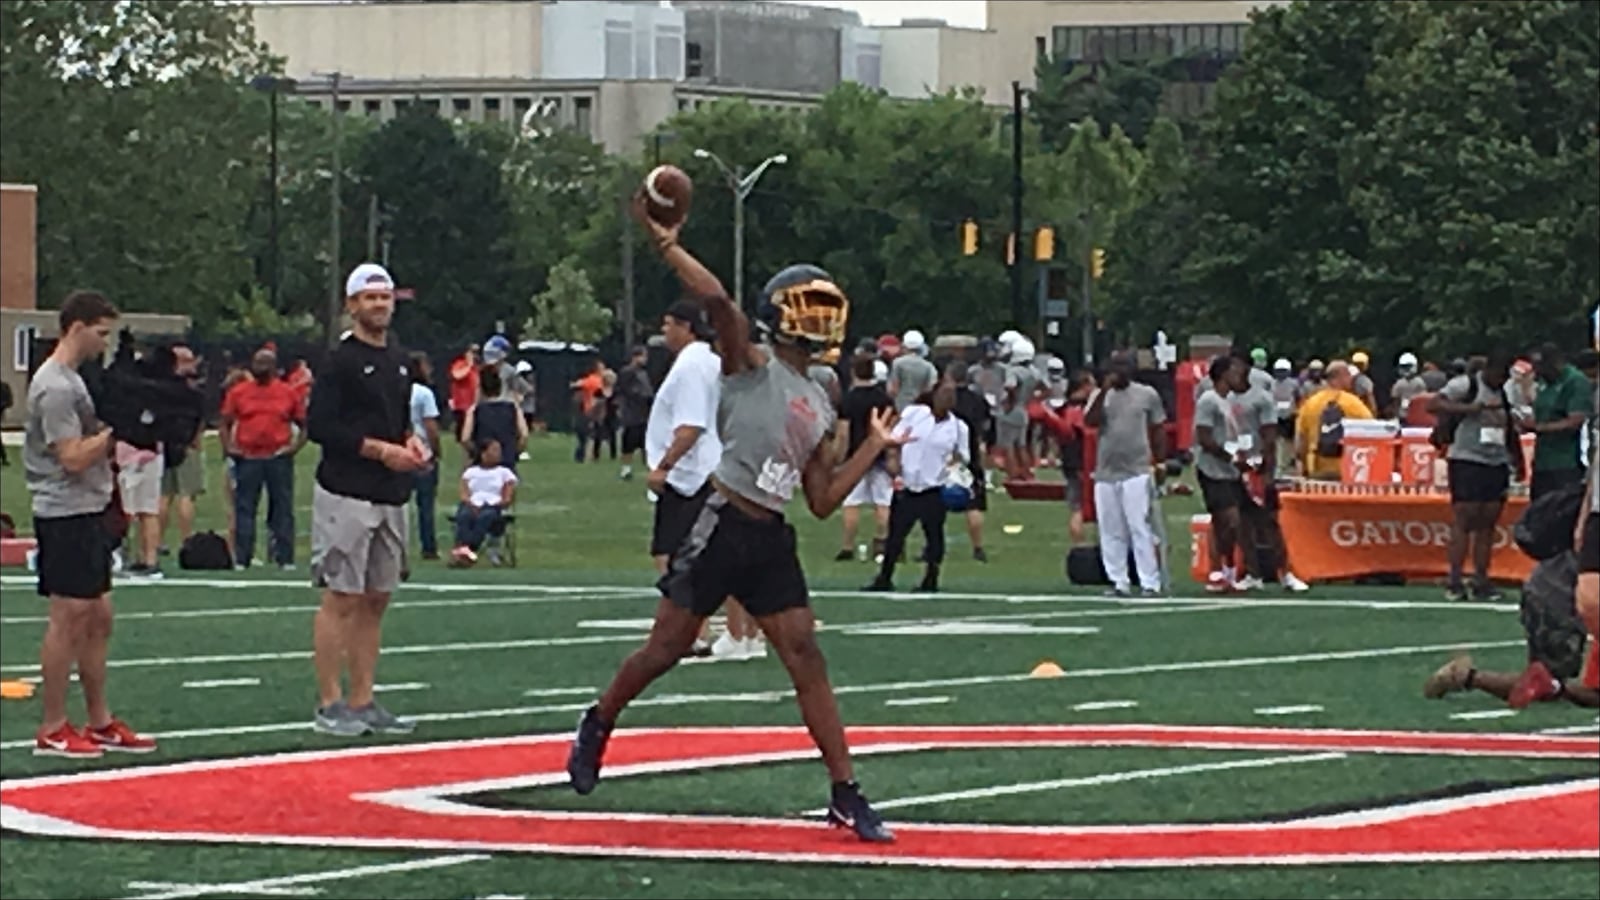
(1560,408)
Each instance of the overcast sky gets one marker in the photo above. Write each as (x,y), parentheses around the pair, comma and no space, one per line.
(966,13)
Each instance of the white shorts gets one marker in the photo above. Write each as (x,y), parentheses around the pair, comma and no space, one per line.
(141,488)
(357,546)
(876,488)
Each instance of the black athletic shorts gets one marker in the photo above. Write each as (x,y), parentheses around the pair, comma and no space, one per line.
(1589,553)
(675,515)
(74,556)
(1549,481)
(1472,482)
(1221,494)
(632,438)
(980,491)
(730,554)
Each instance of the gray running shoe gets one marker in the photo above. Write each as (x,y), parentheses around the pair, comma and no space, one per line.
(339,719)
(381,720)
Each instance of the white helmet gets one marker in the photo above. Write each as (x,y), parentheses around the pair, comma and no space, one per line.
(1408,360)
(914,342)
(880,371)
(1283,365)
(1022,351)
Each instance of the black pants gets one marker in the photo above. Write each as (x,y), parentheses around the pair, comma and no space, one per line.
(909,508)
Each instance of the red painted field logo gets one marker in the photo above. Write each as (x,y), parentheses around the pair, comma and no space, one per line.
(401,796)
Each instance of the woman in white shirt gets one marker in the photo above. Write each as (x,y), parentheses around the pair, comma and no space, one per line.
(933,436)
(488,489)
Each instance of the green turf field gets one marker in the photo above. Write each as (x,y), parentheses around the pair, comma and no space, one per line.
(219,668)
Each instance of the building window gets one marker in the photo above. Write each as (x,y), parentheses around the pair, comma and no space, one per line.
(619,49)
(669,52)
(869,66)
(431,105)
(583,116)
(344,106)
(682,104)
(1038,47)
(520,107)
(401,106)
(462,107)
(491,109)
(694,67)
(315,103)
(372,108)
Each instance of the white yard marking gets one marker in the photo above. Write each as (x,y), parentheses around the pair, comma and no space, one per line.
(1288,710)
(272,885)
(1590,728)
(1105,704)
(916,701)
(402,686)
(560,692)
(975,628)
(885,687)
(1485,714)
(306,609)
(223,682)
(1029,787)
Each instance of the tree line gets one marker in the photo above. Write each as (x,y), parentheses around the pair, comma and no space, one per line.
(1390,175)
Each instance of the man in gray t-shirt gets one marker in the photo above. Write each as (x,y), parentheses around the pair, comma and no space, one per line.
(66,450)
(1129,417)
(910,376)
(1483,454)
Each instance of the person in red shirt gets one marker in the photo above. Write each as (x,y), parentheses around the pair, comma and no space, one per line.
(263,427)
(1068,425)
(463,386)
(299,378)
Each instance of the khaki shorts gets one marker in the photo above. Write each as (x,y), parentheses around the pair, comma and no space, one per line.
(357,546)
(141,488)
(188,479)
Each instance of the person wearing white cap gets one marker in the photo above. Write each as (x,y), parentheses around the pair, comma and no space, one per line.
(911,375)
(1408,385)
(361,417)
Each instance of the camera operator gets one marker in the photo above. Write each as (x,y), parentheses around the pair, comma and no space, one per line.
(66,452)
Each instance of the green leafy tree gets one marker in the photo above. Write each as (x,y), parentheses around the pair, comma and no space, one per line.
(130,119)
(566,310)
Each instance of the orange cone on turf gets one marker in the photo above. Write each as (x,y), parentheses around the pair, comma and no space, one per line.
(1047,669)
(16,690)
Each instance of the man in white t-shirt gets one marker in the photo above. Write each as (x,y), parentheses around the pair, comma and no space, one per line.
(682,449)
(425,425)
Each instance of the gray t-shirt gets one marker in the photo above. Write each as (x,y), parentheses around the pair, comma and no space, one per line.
(1363,386)
(1216,412)
(636,393)
(1285,397)
(990,377)
(912,376)
(59,409)
(1123,450)
(1481,437)
(1021,381)
(1404,391)
(1252,411)
(825,377)
(771,420)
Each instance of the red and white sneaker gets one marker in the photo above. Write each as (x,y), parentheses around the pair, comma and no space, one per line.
(117,737)
(66,742)
(1535,684)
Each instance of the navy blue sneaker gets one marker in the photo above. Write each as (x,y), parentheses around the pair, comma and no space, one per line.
(849,809)
(583,763)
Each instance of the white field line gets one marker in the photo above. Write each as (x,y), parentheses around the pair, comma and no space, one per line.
(268,885)
(306,609)
(586,639)
(1590,728)
(1094,705)
(223,682)
(561,692)
(842,690)
(1030,787)
(402,686)
(1288,710)
(642,590)
(1485,714)
(917,701)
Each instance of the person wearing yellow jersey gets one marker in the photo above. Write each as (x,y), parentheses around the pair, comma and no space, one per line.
(1318,433)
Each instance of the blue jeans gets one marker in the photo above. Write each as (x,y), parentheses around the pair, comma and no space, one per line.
(277,475)
(473,528)
(426,487)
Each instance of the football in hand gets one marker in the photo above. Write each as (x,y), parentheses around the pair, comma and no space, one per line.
(668,191)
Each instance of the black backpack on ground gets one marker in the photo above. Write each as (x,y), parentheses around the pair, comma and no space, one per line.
(1085,567)
(205,550)
(1556,635)
(1330,430)
(1546,527)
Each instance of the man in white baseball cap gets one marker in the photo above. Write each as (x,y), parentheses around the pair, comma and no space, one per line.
(1408,384)
(911,375)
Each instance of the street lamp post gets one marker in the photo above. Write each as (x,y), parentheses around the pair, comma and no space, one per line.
(741,185)
(335,287)
(273,85)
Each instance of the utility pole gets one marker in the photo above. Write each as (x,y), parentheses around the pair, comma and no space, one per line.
(372,227)
(1016,204)
(1088,288)
(626,311)
(273,277)
(335,288)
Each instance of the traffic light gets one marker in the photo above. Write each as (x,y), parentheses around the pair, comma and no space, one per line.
(969,238)
(1044,243)
(1097,263)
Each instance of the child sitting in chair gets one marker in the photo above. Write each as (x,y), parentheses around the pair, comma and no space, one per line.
(487,491)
